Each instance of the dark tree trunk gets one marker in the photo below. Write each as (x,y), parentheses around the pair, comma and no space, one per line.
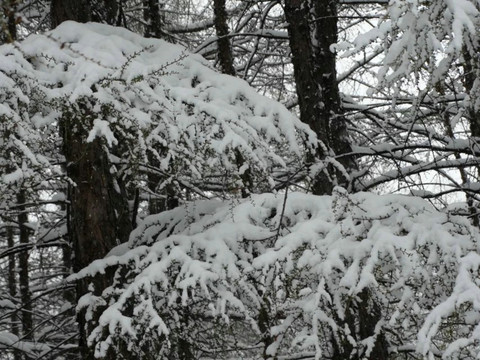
(316,83)
(326,30)
(184,351)
(111,12)
(9,30)
(100,216)
(312,28)
(63,10)
(225,60)
(12,288)
(165,199)
(224,51)
(361,317)
(24,279)
(67,253)
(471,69)
(101,219)
(108,12)
(154,19)
(264,322)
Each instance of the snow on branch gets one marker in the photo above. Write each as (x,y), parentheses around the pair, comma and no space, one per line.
(310,259)
(147,99)
(422,35)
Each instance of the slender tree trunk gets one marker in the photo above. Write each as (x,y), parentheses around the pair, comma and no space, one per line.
(224,51)
(471,69)
(67,253)
(9,25)
(326,32)
(12,21)
(12,288)
(154,19)
(264,322)
(312,28)
(167,198)
(361,317)
(9,10)
(24,279)
(225,59)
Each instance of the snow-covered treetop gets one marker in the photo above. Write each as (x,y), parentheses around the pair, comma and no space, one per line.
(147,99)
(306,257)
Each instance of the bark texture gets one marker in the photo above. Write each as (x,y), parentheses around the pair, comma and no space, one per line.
(154,19)
(63,10)
(99,211)
(224,51)
(10,34)
(471,69)
(99,208)
(312,29)
(9,23)
(24,278)
(109,12)
(12,288)
(361,317)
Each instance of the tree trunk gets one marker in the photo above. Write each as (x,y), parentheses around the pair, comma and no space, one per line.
(326,31)
(312,29)
(317,88)
(154,19)
(10,35)
(63,10)
(9,28)
(224,49)
(168,199)
(100,216)
(264,322)
(67,252)
(471,69)
(361,317)
(12,288)
(107,12)
(24,279)
(111,12)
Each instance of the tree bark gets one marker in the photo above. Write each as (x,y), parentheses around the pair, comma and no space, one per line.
(111,10)
(361,318)
(168,199)
(471,70)
(100,214)
(154,19)
(67,251)
(9,8)
(24,278)
(326,32)
(100,217)
(12,288)
(225,60)
(10,35)
(63,10)
(312,29)
(224,51)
